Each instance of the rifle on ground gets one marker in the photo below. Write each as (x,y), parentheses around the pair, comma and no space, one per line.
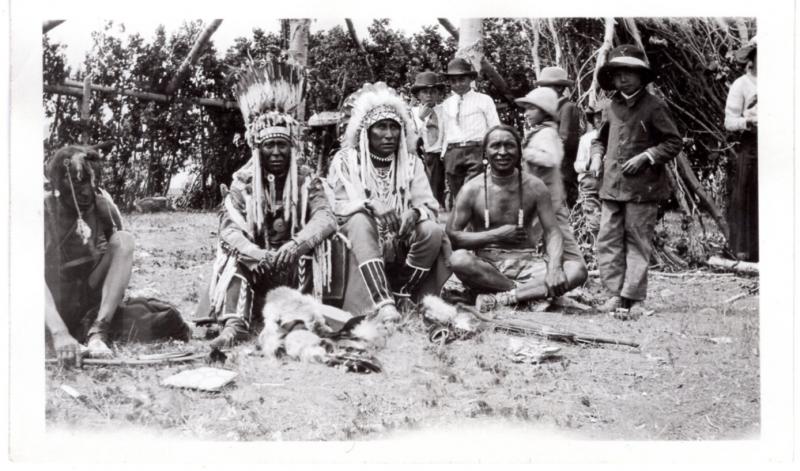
(522,327)
(525,327)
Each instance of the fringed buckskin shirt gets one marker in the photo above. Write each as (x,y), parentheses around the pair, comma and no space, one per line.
(316,219)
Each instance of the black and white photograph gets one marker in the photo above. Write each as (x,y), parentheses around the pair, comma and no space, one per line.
(356,227)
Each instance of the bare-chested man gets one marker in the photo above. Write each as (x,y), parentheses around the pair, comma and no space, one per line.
(497,257)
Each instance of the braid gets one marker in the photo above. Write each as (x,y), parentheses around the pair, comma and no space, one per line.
(485,192)
(521,213)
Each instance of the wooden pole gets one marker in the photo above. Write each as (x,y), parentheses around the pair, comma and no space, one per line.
(192,58)
(470,42)
(534,35)
(608,42)
(494,77)
(68,88)
(48,25)
(694,185)
(352,30)
(86,102)
(449,27)
(298,41)
(298,52)
(556,44)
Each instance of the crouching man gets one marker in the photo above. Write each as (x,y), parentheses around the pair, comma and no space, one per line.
(88,257)
(500,262)
(274,213)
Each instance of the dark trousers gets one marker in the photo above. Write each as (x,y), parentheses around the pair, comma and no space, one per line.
(462,164)
(434,168)
(624,247)
(743,210)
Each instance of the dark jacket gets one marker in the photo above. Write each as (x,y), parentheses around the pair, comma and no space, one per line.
(632,126)
(569,130)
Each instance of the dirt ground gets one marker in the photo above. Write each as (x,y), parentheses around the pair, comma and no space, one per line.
(694,377)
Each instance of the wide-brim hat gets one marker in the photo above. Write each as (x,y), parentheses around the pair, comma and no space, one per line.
(628,57)
(458,67)
(554,77)
(545,99)
(743,55)
(427,79)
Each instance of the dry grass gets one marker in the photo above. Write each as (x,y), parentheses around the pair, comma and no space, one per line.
(680,385)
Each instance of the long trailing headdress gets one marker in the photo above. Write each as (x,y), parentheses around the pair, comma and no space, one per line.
(269,98)
(373,103)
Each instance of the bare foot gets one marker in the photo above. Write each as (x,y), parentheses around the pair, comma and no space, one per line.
(97,348)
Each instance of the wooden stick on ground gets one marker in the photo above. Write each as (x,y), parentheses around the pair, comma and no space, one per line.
(736,266)
(134,361)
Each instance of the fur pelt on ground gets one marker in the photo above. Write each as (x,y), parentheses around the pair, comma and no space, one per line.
(294,324)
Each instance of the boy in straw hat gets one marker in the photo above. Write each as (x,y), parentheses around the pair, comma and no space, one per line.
(568,119)
(275,212)
(429,90)
(542,155)
(741,117)
(635,142)
(467,116)
(386,209)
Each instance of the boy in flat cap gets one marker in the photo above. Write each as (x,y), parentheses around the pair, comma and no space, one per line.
(636,140)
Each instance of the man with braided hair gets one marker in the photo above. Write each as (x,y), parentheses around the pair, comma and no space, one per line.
(386,209)
(497,257)
(88,255)
(276,210)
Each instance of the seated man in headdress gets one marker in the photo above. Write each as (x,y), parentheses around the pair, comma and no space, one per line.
(88,255)
(497,256)
(275,212)
(386,209)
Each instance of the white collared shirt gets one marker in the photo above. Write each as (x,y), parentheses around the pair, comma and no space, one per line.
(467,117)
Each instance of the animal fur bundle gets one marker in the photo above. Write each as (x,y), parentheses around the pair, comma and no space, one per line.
(294,324)
(437,311)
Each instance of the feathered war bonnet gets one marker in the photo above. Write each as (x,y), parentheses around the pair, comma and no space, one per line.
(373,103)
(269,98)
